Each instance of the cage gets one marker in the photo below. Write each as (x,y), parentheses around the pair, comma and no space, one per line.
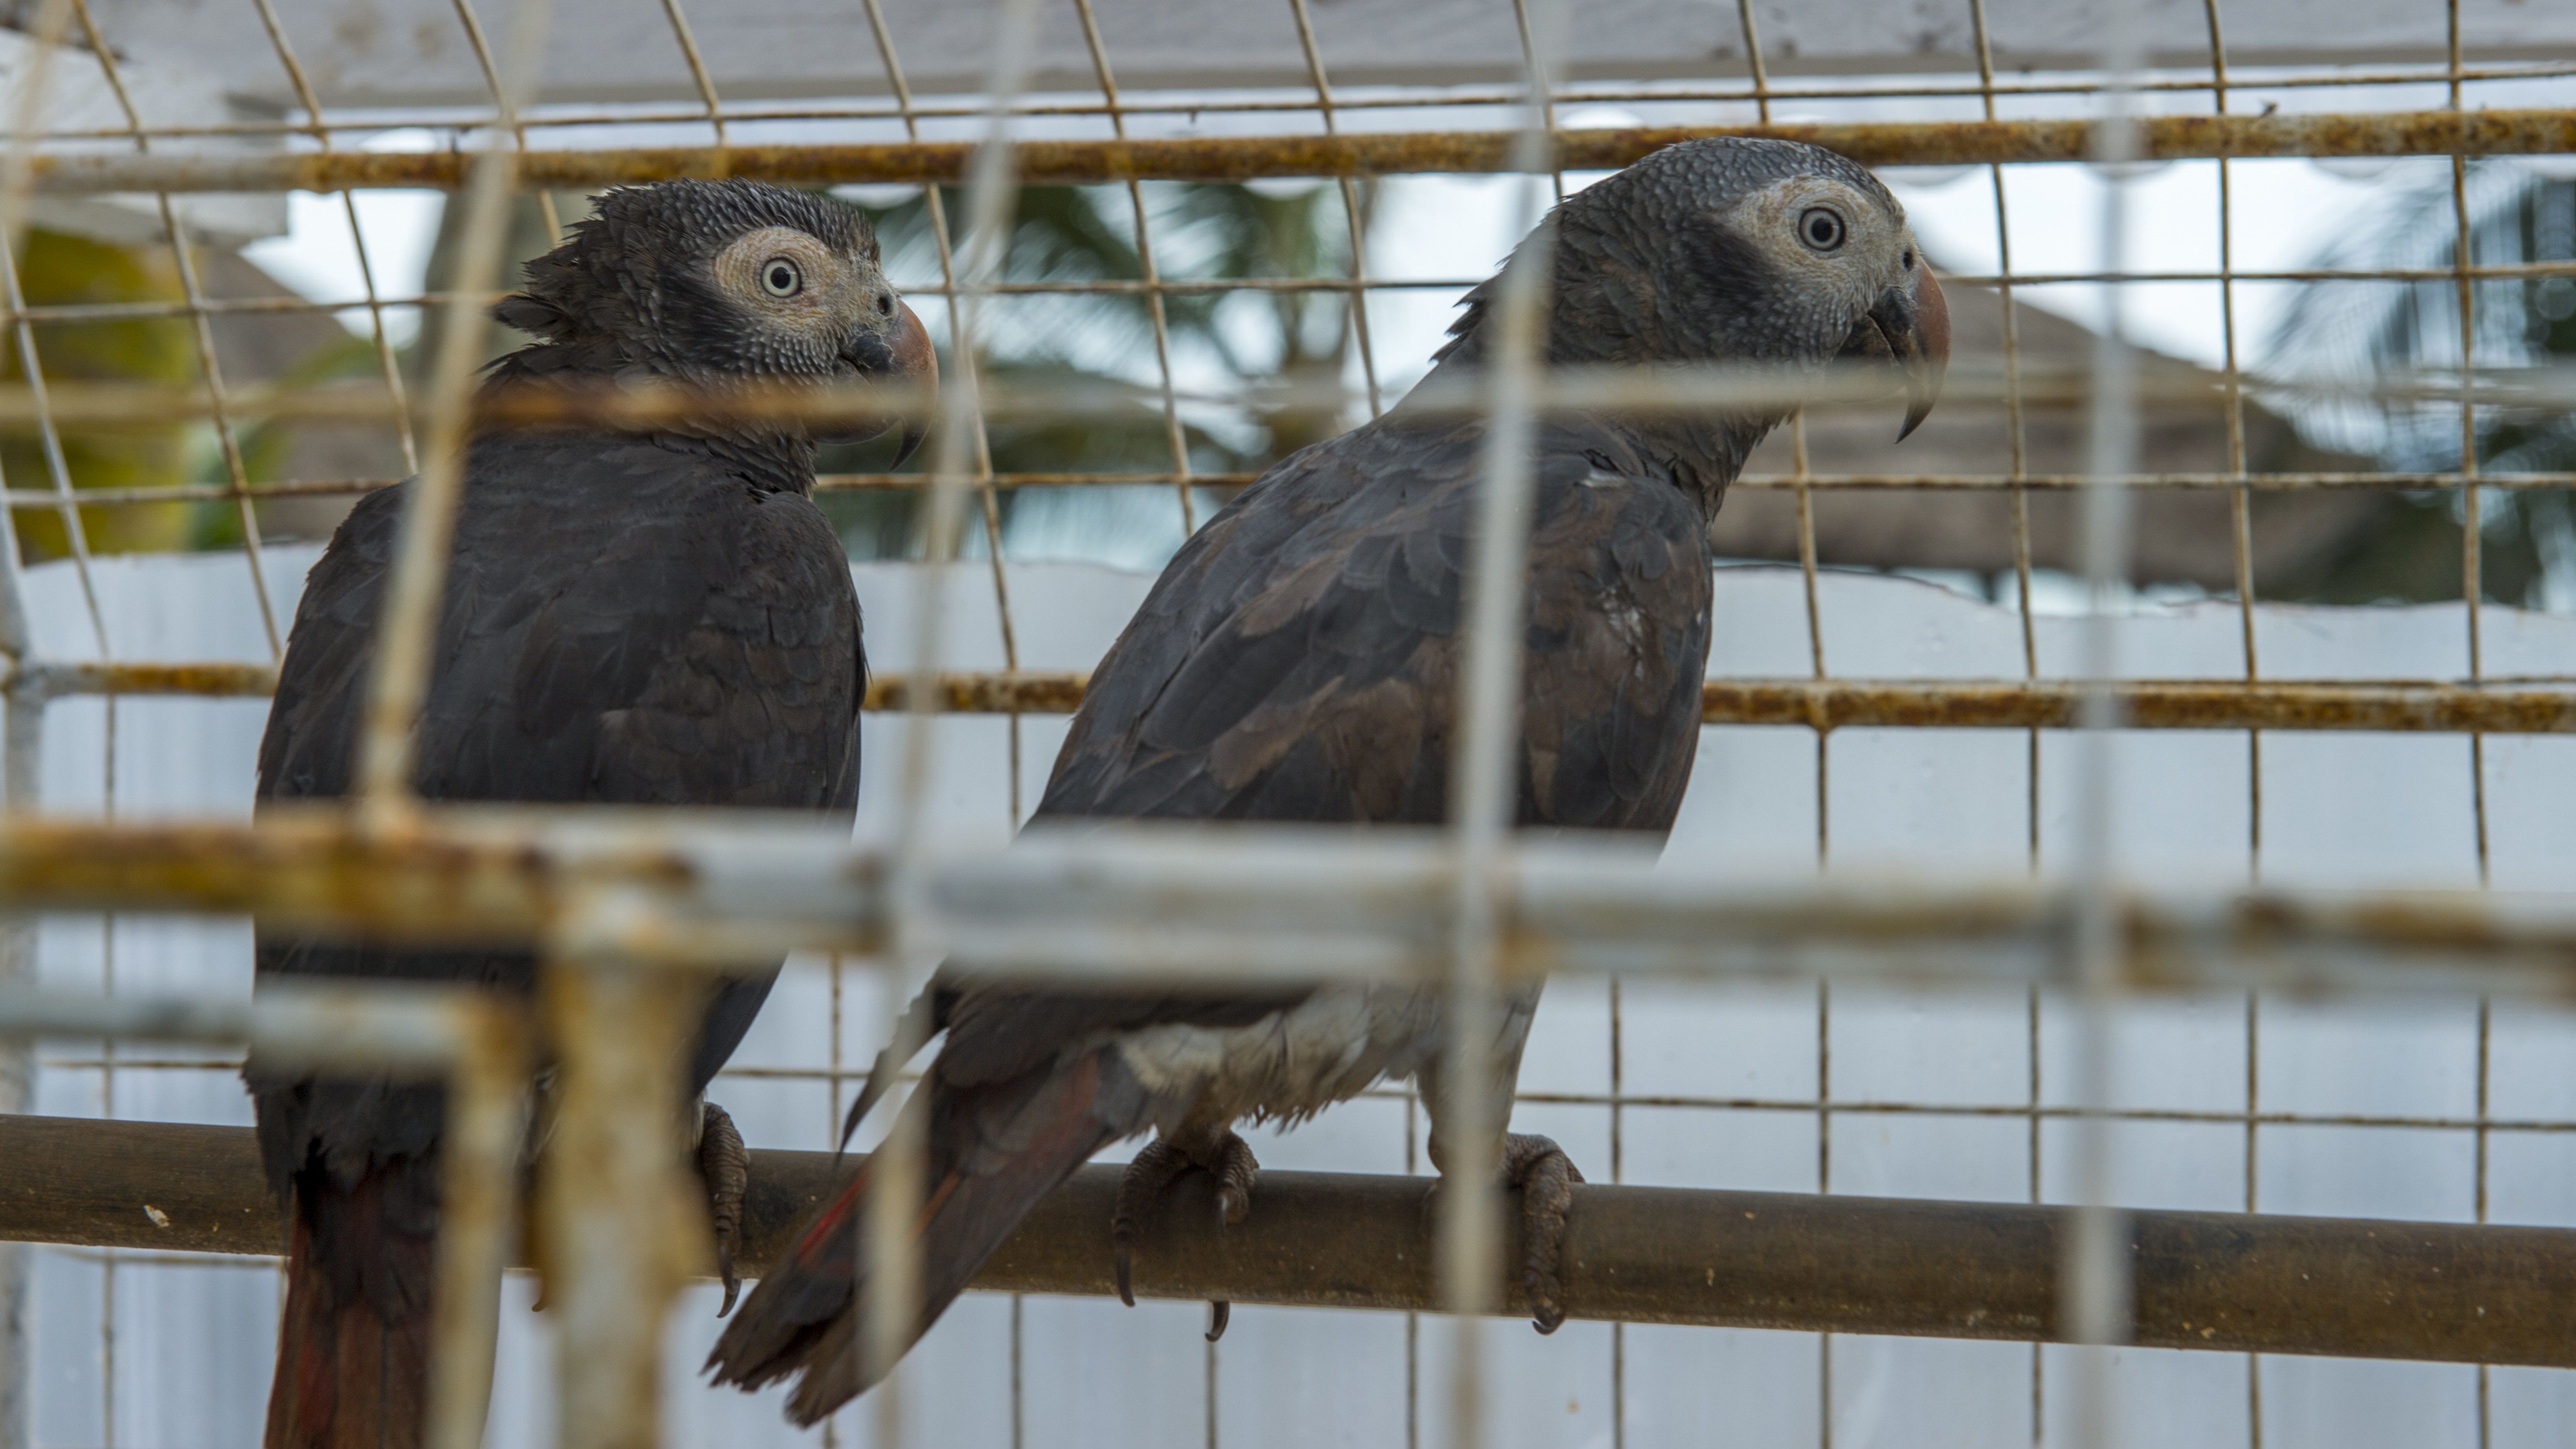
(2104,986)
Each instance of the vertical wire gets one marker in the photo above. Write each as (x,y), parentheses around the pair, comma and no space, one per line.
(1357,317)
(988,497)
(2472,572)
(890,1251)
(22,756)
(1155,309)
(1544,97)
(2241,541)
(409,621)
(202,329)
(51,22)
(505,114)
(1412,1321)
(2094,1280)
(832,1121)
(1618,1174)
(2015,440)
(698,76)
(2486,1057)
(1481,803)
(1824,1185)
(312,104)
(2253,1116)
(1815,627)
(1753,60)
(2241,498)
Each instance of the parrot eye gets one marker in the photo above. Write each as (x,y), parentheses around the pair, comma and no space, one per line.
(780,278)
(1820,229)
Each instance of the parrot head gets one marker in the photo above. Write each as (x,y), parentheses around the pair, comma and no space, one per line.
(1739,250)
(711,281)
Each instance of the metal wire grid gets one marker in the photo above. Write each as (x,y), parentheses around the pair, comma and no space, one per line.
(1326,105)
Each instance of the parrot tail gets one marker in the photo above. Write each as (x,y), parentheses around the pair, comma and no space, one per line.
(994,1149)
(353,1343)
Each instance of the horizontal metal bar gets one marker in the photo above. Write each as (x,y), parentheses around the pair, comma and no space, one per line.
(1246,158)
(2402,706)
(1208,905)
(2222,1282)
(393,1028)
(1130,104)
(1620,391)
(2397,706)
(36,500)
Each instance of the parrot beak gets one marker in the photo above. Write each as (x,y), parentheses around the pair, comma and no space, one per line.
(1910,328)
(1926,348)
(901,353)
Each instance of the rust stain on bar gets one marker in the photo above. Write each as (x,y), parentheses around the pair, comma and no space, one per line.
(2397,706)
(1024,693)
(2224,1282)
(2408,706)
(1245,158)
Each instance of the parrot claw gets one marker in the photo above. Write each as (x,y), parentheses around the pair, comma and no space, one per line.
(1156,1167)
(725,1166)
(1546,1178)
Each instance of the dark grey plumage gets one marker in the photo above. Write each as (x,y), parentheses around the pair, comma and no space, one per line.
(638,619)
(1297,661)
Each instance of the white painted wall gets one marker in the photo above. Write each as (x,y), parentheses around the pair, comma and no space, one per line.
(190,1345)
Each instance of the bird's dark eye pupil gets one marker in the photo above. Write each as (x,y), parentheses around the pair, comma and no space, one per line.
(1822,229)
(780,278)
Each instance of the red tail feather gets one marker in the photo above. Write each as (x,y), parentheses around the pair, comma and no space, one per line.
(353,1347)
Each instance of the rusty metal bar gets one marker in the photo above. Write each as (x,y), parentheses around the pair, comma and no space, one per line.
(2223,1282)
(1754,483)
(1636,392)
(1247,158)
(1162,103)
(2395,706)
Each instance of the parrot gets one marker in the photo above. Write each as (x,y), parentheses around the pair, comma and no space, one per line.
(633,617)
(1298,660)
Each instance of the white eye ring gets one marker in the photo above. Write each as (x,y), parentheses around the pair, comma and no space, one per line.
(779,277)
(1821,229)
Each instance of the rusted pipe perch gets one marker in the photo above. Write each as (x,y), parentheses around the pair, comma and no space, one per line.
(2219,1281)
(1246,158)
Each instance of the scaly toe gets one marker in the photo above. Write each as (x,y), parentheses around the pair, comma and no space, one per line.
(725,1166)
(1546,1178)
(1139,1191)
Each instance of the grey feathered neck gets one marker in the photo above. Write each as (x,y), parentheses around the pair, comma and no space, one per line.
(1640,277)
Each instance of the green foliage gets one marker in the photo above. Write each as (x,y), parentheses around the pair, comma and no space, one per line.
(61,270)
(1087,234)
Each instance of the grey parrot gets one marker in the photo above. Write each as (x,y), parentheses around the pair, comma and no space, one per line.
(1297,662)
(640,618)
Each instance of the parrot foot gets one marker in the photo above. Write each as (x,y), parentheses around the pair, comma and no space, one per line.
(1229,1160)
(725,1166)
(1546,1179)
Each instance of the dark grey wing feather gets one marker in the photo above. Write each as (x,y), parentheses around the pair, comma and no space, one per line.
(1297,662)
(623,623)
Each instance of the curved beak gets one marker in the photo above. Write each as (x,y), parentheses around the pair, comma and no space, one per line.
(900,353)
(1909,327)
(1926,349)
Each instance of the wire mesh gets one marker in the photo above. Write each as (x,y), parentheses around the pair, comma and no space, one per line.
(966,466)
